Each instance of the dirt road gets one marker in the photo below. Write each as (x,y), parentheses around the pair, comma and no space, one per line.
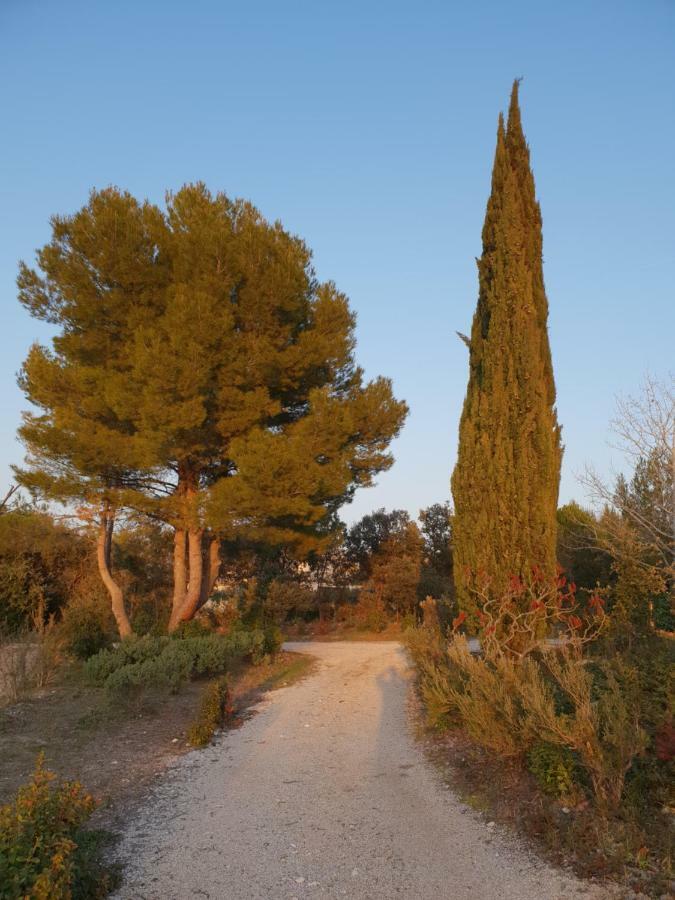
(324,793)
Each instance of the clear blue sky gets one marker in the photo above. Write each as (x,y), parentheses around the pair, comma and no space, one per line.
(368,128)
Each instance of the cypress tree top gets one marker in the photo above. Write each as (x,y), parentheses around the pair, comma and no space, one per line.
(505,483)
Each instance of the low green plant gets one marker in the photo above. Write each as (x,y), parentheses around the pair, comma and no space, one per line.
(167,662)
(44,852)
(554,769)
(193,628)
(134,650)
(215,708)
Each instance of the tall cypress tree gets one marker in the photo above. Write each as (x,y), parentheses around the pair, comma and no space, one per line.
(505,483)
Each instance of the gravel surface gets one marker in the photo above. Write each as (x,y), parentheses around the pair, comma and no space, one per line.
(325,793)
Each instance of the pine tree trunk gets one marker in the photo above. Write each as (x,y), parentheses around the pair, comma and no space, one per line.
(179,576)
(103,558)
(183,612)
(188,572)
(211,568)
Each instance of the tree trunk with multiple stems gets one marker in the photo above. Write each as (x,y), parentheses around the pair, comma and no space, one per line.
(188,564)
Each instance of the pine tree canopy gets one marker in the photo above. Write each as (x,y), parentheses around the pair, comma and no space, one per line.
(200,373)
(505,483)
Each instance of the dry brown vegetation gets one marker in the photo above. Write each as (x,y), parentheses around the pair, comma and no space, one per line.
(117,751)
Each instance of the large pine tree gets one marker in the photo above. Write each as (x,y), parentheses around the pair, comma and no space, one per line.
(200,374)
(505,483)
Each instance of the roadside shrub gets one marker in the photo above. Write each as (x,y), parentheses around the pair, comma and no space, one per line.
(41,563)
(344,613)
(509,704)
(488,697)
(44,853)
(133,650)
(166,662)
(17,662)
(554,769)
(215,708)
(436,677)
(430,617)
(604,728)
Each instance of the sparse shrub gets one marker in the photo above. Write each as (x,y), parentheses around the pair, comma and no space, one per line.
(17,661)
(285,598)
(273,639)
(509,704)
(370,612)
(86,628)
(489,697)
(604,728)
(554,768)
(221,613)
(408,620)
(44,853)
(215,708)
(41,563)
(516,620)
(429,610)
(344,613)
(436,678)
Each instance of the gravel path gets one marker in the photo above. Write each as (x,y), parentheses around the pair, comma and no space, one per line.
(324,793)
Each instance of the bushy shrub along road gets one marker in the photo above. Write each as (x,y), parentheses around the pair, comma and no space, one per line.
(326,793)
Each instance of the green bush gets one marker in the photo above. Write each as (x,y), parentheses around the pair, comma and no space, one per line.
(664,618)
(41,563)
(44,853)
(85,629)
(554,768)
(138,663)
(215,708)
(273,639)
(285,599)
(193,628)
(129,652)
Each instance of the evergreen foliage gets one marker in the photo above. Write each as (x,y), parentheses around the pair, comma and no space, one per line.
(365,538)
(505,483)
(200,374)
(580,553)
